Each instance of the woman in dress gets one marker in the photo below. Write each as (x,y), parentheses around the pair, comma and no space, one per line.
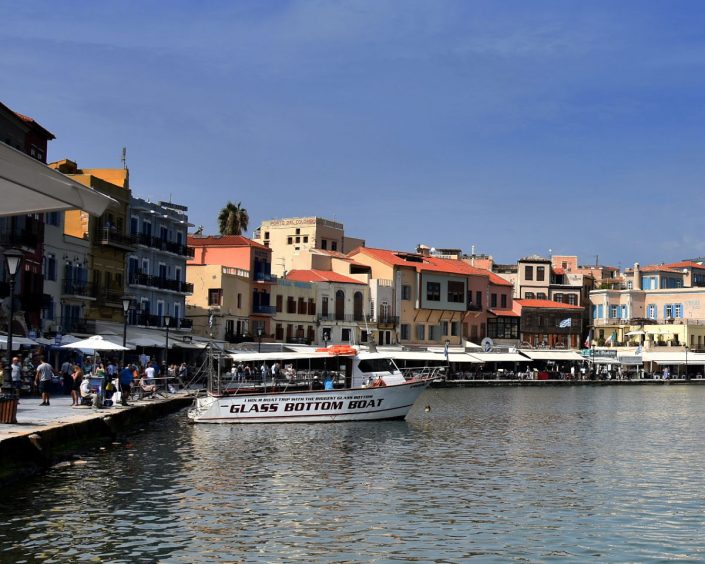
(76,379)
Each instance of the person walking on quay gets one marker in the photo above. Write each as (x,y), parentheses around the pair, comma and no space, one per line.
(43,379)
(16,374)
(125,383)
(76,380)
(66,379)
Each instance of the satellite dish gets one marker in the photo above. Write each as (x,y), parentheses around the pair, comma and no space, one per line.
(487,344)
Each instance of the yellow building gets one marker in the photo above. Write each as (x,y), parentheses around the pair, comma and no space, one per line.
(220,303)
(108,234)
(289,236)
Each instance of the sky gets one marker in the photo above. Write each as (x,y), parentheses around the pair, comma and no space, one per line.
(518,127)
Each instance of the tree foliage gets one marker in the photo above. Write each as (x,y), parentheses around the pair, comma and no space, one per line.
(233,219)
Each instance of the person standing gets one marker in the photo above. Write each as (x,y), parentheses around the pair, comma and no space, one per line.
(16,374)
(67,380)
(76,381)
(125,384)
(43,379)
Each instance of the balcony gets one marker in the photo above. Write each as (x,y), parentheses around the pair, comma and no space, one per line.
(147,240)
(263,277)
(77,289)
(264,309)
(473,307)
(112,296)
(387,320)
(149,281)
(22,232)
(350,318)
(112,238)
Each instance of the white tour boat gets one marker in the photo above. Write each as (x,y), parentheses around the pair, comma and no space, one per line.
(370,388)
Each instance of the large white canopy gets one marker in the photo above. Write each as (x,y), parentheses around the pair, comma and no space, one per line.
(28,186)
(500,357)
(552,355)
(95,343)
(674,357)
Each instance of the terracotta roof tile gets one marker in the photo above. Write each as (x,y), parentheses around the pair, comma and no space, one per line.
(320,276)
(685,264)
(660,268)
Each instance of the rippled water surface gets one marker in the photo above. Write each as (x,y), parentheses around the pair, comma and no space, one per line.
(556,474)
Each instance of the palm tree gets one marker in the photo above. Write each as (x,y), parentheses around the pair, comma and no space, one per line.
(233,219)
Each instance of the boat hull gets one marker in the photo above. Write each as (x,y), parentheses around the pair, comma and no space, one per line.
(316,406)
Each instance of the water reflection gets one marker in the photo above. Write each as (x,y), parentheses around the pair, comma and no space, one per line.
(603,473)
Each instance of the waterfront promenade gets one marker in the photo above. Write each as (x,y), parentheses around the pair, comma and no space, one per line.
(44,435)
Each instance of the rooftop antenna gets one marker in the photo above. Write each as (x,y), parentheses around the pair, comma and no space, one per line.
(124,157)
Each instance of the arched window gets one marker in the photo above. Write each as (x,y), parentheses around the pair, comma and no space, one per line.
(340,305)
(357,306)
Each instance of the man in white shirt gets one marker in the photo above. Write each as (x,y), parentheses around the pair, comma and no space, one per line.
(43,379)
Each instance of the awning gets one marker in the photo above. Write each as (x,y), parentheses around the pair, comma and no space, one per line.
(674,357)
(500,357)
(17,341)
(29,186)
(273,356)
(552,355)
(635,333)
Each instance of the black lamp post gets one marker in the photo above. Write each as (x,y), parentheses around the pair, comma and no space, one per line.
(259,337)
(167,322)
(126,301)
(13,257)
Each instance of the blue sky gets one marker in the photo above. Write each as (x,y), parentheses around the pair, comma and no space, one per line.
(514,126)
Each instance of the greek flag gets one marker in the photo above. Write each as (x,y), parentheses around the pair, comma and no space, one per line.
(210,320)
(445,351)
(568,322)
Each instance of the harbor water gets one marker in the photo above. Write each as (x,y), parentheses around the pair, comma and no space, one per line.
(494,474)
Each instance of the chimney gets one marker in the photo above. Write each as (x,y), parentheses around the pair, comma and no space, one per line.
(636,285)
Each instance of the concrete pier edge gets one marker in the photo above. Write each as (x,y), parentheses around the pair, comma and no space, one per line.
(36,450)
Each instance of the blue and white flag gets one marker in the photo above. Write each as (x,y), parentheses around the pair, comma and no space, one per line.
(567,322)
(445,351)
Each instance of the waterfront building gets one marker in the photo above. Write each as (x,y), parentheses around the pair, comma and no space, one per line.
(24,232)
(66,270)
(108,234)
(435,300)
(156,266)
(295,319)
(658,306)
(248,256)
(341,302)
(287,237)
(549,324)
(219,305)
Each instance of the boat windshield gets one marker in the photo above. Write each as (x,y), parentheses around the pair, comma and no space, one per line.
(377,365)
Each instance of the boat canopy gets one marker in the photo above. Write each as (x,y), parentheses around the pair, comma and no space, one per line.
(552,355)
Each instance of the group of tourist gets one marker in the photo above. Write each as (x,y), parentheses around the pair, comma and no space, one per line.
(88,380)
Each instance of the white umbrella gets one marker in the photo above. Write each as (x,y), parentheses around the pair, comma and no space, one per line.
(17,341)
(95,343)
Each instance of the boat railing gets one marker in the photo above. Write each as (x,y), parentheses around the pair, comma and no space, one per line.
(307,379)
(423,372)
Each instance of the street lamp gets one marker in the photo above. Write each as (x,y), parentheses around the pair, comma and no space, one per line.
(686,363)
(126,301)
(167,322)
(259,337)
(13,257)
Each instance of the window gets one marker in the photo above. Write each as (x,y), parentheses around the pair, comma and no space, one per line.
(266,236)
(433,291)
(528,272)
(454,327)
(404,331)
(433,332)
(444,327)
(668,311)
(302,306)
(280,303)
(478,298)
(651,311)
(503,299)
(290,304)
(455,292)
(420,332)
(613,311)
(298,239)
(677,310)
(298,231)
(540,296)
(50,267)
(215,296)
(305,238)
(529,295)
(345,335)
(289,240)
(52,218)
(324,306)
(493,300)
(239,300)
(630,285)
(540,273)
(572,299)
(324,244)
(406,292)
(333,245)
(558,298)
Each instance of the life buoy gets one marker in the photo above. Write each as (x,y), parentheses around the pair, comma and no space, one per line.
(379,383)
